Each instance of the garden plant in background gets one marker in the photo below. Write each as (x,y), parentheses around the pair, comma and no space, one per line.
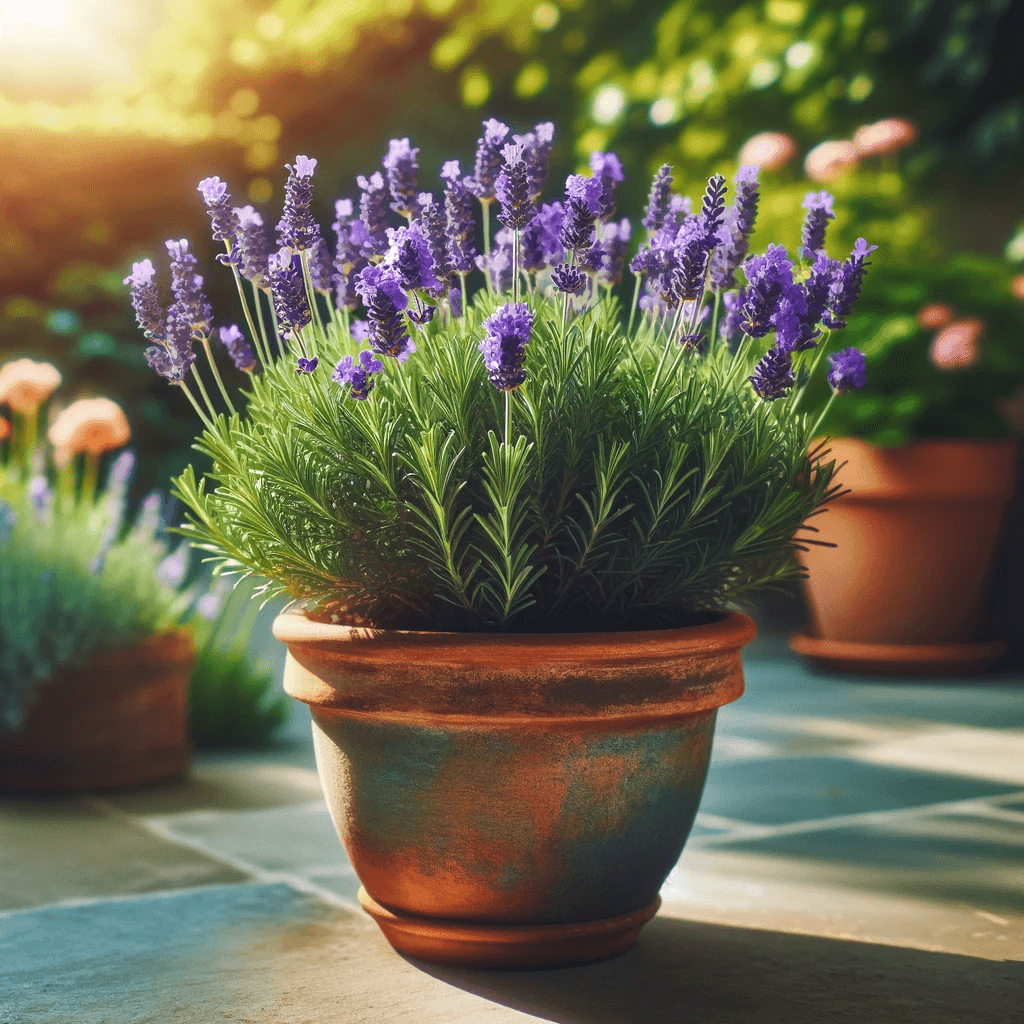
(80,587)
(517,502)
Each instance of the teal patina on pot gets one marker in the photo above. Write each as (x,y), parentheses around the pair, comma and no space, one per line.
(533,790)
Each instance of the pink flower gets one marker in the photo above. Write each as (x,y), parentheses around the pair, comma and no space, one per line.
(90,425)
(5,429)
(956,346)
(888,136)
(25,385)
(768,150)
(830,160)
(1017,286)
(934,315)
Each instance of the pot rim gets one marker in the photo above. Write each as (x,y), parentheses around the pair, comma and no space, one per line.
(732,631)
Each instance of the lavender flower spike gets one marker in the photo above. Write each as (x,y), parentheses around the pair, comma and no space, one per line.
(238,348)
(512,187)
(819,212)
(736,231)
(380,288)
(373,213)
(218,205)
(402,167)
(297,230)
(358,376)
(569,279)
(410,256)
(536,152)
(288,291)
(460,226)
(190,307)
(253,247)
(846,284)
(307,366)
(848,370)
(146,299)
(582,208)
(488,160)
(657,200)
(773,375)
(504,347)
(768,277)
(607,169)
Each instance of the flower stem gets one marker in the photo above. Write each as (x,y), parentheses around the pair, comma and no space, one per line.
(202,391)
(515,265)
(90,476)
(216,373)
(798,396)
(195,405)
(824,412)
(264,354)
(636,300)
(307,280)
(714,318)
(508,416)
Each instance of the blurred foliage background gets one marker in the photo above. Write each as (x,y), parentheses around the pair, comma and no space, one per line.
(111,112)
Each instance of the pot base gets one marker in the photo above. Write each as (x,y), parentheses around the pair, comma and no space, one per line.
(897,659)
(462,944)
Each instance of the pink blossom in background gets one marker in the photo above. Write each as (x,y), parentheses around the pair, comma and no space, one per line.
(888,136)
(934,315)
(830,160)
(768,150)
(1017,286)
(956,346)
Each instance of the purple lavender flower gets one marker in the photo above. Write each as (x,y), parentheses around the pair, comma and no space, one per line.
(792,332)
(736,231)
(288,291)
(146,299)
(488,160)
(253,246)
(567,278)
(512,187)
(846,284)
(190,307)
(238,348)
(848,370)
(165,361)
(321,267)
(307,365)
(712,210)
(657,200)
(433,224)
(498,266)
(582,208)
(409,254)
(679,214)
(360,330)
(381,291)
(218,205)
(402,167)
(730,326)
(348,257)
(420,313)
(536,152)
(540,244)
(768,276)
(373,213)
(816,296)
(773,375)
(455,302)
(297,230)
(40,497)
(607,170)
(614,242)
(357,376)
(504,346)
(460,224)
(819,212)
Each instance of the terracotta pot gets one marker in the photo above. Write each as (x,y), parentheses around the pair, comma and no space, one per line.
(120,721)
(513,800)
(905,587)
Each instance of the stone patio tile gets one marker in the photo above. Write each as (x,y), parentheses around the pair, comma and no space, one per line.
(262,953)
(52,850)
(294,839)
(785,789)
(222,782)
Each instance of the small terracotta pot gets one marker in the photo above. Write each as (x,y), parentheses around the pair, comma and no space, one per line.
(513,799)
(120,721)
(915,542)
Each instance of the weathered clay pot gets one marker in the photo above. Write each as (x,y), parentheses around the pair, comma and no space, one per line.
(513,800)
(120,721)
(904,588)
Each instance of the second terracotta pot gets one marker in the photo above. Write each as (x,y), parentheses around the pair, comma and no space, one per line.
(915,543)
(513,800)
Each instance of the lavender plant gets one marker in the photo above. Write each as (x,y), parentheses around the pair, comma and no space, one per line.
(525,454)
(75,576)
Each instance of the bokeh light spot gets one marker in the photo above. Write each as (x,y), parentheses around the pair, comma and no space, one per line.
(799,55)
(246,52)
(764,73)
(860,88)
(245,102)
(270,25)
(63,321)
(546,16)
(260,156)
(260,190)
(531,80)
(476,87)
(609,102)
(664,111)
(97,343)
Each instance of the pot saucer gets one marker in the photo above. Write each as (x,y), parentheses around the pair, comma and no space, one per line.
(464,944)
(897,659)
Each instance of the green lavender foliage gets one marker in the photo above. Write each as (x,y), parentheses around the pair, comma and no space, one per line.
(231,704)
(640,483)
(60,603)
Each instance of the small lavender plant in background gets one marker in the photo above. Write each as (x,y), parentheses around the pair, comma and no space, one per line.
(529,459)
